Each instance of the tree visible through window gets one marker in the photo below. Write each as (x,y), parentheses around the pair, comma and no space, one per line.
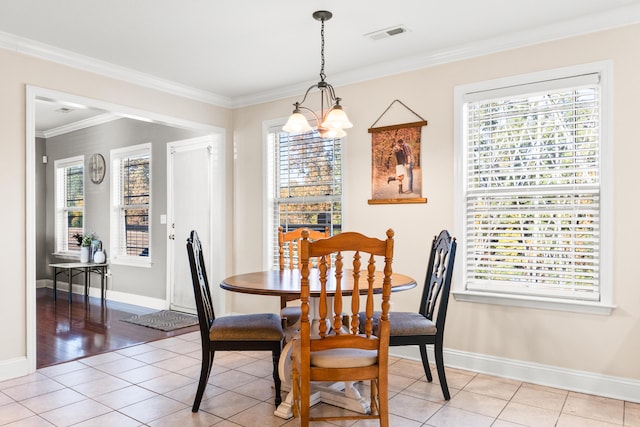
(531,209)
(306,183)
(69,184)
(135,204)
(131,202)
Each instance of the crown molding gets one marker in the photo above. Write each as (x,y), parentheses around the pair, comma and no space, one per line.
(81,124)
(85,63)
(619,17)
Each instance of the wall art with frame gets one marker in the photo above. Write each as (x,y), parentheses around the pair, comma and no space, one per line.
(396,168)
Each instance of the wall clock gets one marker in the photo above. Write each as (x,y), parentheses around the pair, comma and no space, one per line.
(97,168)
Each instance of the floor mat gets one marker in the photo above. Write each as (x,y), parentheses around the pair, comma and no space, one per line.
(164,320)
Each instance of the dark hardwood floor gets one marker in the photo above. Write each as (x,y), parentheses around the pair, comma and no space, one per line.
(85,328)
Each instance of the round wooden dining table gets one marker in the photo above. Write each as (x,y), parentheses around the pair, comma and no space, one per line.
(287,283)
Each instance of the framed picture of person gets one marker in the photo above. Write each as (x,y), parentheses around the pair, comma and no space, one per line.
(396,169)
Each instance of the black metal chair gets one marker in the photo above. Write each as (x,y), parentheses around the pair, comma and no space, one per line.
(419,328)
(247,332)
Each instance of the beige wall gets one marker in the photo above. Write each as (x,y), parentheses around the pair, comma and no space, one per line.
(605,345)
(17,71)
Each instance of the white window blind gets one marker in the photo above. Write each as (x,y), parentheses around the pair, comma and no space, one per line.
(69,203)
(131,201)
(532,189)
(306,181)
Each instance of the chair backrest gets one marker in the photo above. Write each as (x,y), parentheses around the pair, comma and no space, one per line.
(289,243)
(357,246)
(438,279)
(204,303)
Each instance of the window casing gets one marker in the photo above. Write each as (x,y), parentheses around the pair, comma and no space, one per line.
(131,205)
(304,185)
(69,204)
(533,204)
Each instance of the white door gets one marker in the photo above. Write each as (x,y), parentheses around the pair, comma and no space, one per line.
(195,184)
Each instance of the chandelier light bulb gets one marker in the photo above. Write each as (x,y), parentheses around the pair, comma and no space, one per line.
(297,123)
(337,118)
(331,133)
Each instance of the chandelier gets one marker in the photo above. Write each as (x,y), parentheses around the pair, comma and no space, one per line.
(330,124)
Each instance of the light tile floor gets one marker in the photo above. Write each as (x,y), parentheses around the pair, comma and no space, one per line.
(154,384)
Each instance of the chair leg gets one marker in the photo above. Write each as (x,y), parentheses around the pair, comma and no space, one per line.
(440,366)
(305,403)
(205,371)
(374,398)
(425,362)
(275,355)
(383,404)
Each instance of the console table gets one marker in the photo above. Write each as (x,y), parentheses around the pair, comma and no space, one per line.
(75,268)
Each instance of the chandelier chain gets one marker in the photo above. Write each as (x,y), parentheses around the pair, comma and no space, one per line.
(322,74)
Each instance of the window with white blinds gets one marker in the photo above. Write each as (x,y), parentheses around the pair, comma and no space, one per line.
(131,203)
(532,182)
(305,183)
(69,203)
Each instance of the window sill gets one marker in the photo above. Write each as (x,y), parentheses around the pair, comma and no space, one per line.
(131,262)
(586,307)
(67,256)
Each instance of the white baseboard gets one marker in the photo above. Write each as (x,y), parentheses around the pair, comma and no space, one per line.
(142,301)
(13,368)
(551,376)
(139,300)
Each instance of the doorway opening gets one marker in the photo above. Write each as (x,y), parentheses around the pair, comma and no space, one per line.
(99,127)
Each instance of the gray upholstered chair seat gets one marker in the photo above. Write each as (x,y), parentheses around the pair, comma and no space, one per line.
(404,324)
(292,314)
(247,327)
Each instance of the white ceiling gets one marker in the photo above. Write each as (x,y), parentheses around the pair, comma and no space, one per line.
(55,117)
(235,53)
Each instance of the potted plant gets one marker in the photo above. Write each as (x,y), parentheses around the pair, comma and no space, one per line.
(84,241)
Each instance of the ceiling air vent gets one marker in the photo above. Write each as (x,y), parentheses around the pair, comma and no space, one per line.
(387,32)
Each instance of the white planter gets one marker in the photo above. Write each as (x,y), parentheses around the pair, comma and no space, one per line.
(85,251)
(99,257)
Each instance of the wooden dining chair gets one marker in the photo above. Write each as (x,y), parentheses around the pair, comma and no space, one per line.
(289,257)
(289,245)
(247,332)
(336,353)
(411,328)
